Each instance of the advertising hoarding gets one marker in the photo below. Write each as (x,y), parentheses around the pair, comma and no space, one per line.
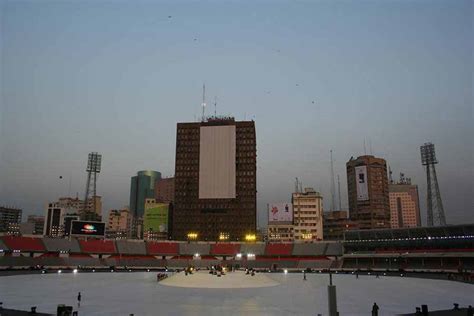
(87,228)
(362,183)
(156,218)
(280,213)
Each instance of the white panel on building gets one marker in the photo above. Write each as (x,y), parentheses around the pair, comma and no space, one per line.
(217,162)
(361,183)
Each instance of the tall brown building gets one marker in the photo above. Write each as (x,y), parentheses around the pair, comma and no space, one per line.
(367,184)
(164,190)
(215,180)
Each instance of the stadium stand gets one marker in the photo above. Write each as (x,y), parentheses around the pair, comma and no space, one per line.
(334,249)
(162,248)
(131,247)
(257,249)
(58,245)
(226,249)
(17,261)
(193,248)
(97,246)
(314,264)
(83,261)
(23,243)
(278,249)
(313,249)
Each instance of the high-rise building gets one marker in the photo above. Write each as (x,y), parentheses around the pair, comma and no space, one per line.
(308,215)
(164,190)
(336,223)
(119,225)
(155,220)
(142,187)
(280,222)
(404,205)
(215,180)
(54,221)
(38,223)
(9,215)
(367,184)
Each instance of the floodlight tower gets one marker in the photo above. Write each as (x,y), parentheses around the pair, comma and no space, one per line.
(428,159)
(93,169)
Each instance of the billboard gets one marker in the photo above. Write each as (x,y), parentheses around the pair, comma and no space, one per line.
(280,213)
(217,150)
(156,218)
(361,183)
(87,228)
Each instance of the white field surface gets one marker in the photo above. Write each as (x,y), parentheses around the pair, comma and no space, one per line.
(139,293)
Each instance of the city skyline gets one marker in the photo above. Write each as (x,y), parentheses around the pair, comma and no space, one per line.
(393,75)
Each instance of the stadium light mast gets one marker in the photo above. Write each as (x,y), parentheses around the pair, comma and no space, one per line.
(428,159)
(93,169)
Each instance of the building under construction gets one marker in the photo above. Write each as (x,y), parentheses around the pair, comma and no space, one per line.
(215,180)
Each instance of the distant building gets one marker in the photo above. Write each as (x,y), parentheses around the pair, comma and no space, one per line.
(308,215)
(367,184)
(155,220)
(38,223)
(9,217)
(142,187)
(280,222)
(404,205)
(119,224)
(336,223)
(54,220)
(67,222)
(215,181)
(76,206)
(164,190)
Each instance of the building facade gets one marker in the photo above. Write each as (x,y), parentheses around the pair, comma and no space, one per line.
(54,220)
(308,215)
(282,233)
(9,218)
(38,223)
(336,223)
(76,206)
(142,187)
(119,224)
(215,180)
(367,184)
(164,190)
(404,205)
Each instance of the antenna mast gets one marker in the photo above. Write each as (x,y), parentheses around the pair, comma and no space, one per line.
(203,104)
(215,106)
(333,185)
(339,192)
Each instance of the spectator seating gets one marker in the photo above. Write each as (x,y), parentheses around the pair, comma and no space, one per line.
(59,244)
(193,248)
(82,260)
(17,261)
(162,248)
(131,247)
(225,249)
(315,264)
(313,249)
(97,246)
(278,249)
(257,249)
(334,249)
(23,243)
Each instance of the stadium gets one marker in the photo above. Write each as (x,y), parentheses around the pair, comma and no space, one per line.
(403,260)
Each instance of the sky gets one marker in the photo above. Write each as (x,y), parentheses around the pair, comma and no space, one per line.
(116,76)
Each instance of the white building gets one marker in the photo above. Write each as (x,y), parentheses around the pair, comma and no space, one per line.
(308,215)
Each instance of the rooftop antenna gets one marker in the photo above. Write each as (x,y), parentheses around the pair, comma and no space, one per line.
(203,104)
(390,175)
(339,192)
(296,185)
(365,149)
(333,185)
(370,146)
(215,106)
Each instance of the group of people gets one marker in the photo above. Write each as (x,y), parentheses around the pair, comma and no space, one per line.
(250,271)
(161,277)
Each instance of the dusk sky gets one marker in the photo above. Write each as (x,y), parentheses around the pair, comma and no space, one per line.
(116,76)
